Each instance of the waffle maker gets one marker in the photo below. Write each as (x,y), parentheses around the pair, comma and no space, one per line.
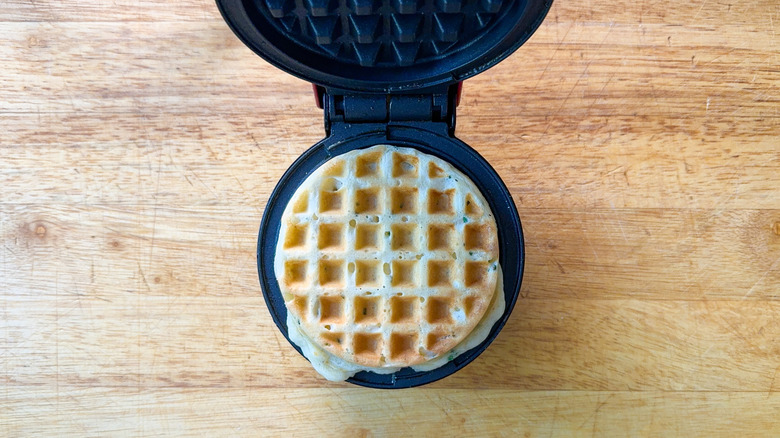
(389,72)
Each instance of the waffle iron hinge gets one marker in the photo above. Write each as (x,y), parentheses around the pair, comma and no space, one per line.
(436,108)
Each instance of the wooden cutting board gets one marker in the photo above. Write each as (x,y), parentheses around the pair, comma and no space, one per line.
(140,140)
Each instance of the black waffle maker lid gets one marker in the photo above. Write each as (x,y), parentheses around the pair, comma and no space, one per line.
(389,72)
(384,45)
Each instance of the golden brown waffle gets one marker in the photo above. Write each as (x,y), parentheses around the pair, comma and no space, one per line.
(387,256)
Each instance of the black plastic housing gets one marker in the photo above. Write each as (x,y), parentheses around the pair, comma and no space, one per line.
(388,72)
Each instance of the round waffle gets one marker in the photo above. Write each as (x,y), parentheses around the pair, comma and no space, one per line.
(387,257)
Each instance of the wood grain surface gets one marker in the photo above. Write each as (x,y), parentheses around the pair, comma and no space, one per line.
(140,140)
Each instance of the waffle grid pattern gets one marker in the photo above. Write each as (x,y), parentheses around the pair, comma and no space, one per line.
(395,267)
(385,33)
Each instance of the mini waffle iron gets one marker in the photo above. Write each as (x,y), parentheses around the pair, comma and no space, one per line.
(389,72)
